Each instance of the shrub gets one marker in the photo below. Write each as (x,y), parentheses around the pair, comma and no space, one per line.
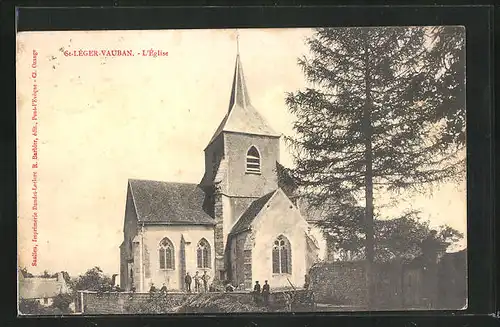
(157,304)
(33,307)
(214,303)
(62,302)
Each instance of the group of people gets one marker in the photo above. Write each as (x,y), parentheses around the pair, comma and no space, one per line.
(198,280)
(261,293)
(162,290)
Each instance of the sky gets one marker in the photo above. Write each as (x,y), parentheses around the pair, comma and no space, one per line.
(103,120)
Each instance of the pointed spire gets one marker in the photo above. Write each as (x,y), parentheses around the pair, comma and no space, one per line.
(241,116)
(239,92)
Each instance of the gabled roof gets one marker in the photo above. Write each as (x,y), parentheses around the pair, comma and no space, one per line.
(216,176)
(313,242)
(169,203)
(285,180)
(39,288)
(246,219)
(242,117)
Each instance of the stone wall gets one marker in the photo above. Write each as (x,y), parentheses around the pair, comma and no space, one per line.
(128,252)
(339,283)
(126,302)
(247,269)
(219,241)
(344,283)
(389,292)
(398,286)
(242,184)
(452,281)
(235,302)
(240,257)
(121,302)
(185,256)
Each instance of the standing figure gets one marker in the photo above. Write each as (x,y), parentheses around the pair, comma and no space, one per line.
(256,292)
(152,290)
(288,301)
(163,289)
(307,281)
(187,280)
(205,279)
(265,292)
(196,282)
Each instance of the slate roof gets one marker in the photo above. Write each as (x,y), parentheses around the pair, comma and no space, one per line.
(39,288)
(169,203)
(285,181)
(242,117)
(246,219)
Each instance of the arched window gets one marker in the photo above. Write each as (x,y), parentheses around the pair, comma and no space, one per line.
(203,254)
(282,256)
(166,252)
(253,160)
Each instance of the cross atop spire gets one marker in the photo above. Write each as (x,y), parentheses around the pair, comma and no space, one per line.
(237,43)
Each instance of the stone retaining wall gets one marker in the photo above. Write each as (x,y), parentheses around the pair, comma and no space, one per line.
(126,303)
(339,283)
(120,302)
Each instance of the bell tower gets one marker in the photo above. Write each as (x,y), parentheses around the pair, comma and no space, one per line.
(240,163)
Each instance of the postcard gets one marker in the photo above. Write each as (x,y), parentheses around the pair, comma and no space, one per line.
(241,170)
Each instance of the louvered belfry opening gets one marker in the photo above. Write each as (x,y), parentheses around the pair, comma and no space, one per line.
(253,161)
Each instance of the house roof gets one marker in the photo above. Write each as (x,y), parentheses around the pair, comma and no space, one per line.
(242,117)
(38,287)
(169,203)
(249,215)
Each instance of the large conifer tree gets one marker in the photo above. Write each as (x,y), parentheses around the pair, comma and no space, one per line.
(447,59)
(369,125)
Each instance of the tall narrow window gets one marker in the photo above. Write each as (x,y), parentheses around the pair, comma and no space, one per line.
(282,263)
(166,252)
(253,160)
(203,254)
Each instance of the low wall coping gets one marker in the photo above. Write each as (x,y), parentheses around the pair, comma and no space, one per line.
(279,291)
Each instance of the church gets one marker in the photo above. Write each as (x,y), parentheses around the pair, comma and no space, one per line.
(242,223)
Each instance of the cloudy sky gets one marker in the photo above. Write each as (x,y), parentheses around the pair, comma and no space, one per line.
(104,120)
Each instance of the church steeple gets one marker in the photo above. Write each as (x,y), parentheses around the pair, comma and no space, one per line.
(239,91)
(240,163)
(241,116)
